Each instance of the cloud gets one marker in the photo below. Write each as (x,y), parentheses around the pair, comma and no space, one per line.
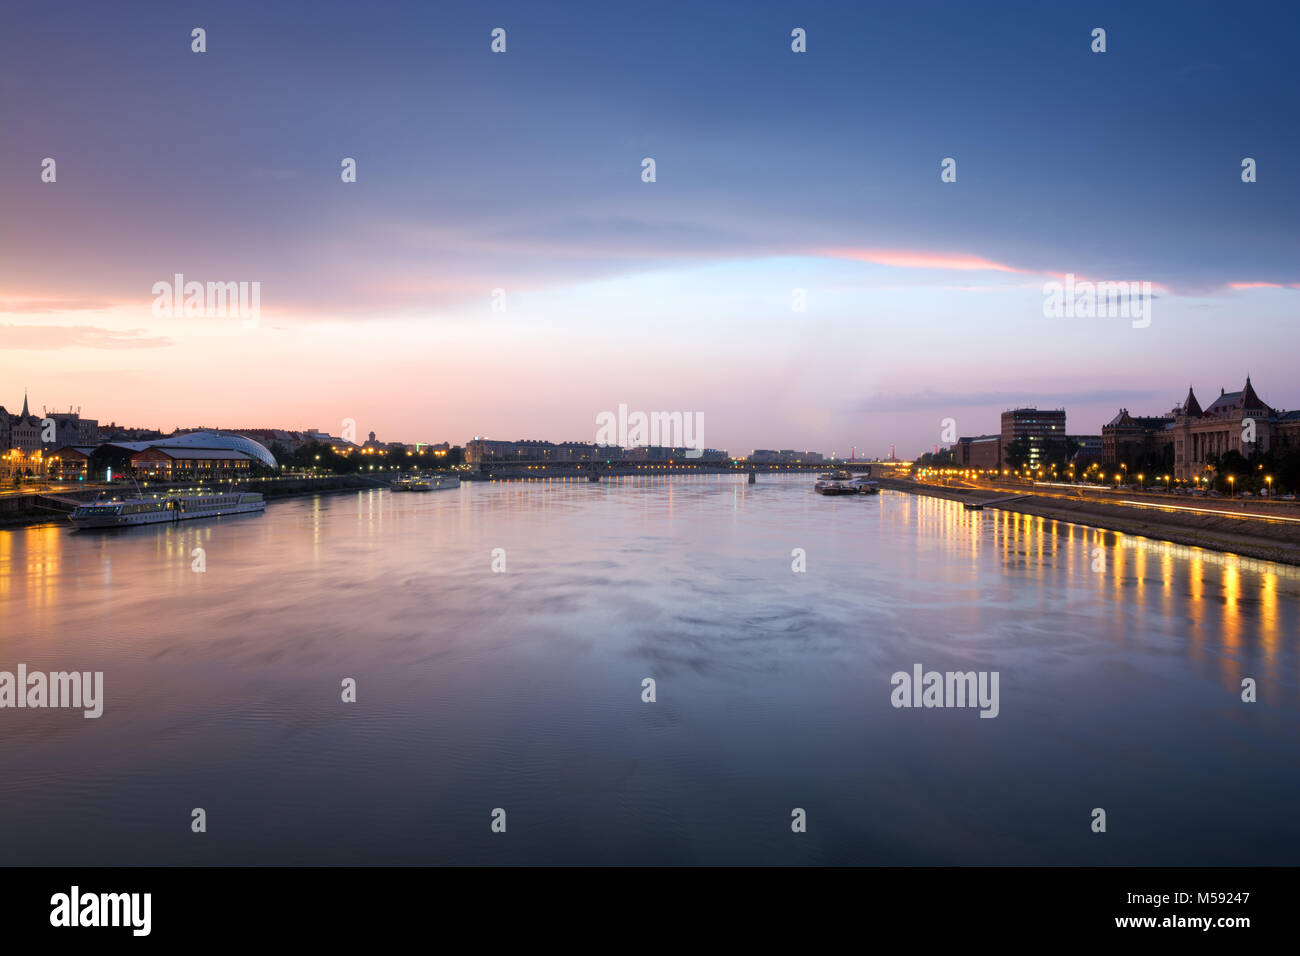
(35,305)
(1255,285)
(927,399)
(953,261)
(49,337)
(907,259)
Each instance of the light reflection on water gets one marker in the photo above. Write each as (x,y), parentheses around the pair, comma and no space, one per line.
(1119,687)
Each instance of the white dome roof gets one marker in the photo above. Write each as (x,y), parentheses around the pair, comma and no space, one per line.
(218,440)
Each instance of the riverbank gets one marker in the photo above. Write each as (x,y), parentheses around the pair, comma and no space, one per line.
(34,508)
(1249,537)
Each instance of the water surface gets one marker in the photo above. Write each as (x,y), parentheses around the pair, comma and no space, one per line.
(1120,682)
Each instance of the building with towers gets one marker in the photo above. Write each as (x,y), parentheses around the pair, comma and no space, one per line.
(1235,421)
(1189,435)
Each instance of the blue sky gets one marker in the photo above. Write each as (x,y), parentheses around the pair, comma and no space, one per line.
(521,171)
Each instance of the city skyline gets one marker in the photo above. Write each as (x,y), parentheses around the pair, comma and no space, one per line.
(924,298)
(1070,429)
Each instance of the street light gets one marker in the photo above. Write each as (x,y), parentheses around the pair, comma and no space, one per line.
(1232,487)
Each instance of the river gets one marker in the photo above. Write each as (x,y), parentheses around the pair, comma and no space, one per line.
(499,636)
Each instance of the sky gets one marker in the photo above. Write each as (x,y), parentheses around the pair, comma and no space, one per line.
(522,172)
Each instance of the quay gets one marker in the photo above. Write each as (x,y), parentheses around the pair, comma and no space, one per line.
(1268,534)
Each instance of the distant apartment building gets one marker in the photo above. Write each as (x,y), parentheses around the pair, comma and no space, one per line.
(1128,438)
(673,453)
(577,451)
(1086,447)
(979,451)
(481,450)
(310,436)
(290,441)
(784,456)
(113,432)
(1044,429)
(373,444)
(71,429)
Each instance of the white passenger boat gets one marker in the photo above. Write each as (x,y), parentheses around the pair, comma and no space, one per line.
(124,512)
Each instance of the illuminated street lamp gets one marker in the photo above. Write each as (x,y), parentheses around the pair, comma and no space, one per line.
(1232,486)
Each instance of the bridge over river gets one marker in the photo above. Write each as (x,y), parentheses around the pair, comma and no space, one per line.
(536,469)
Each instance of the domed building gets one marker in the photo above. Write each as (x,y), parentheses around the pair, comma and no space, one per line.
(219,440)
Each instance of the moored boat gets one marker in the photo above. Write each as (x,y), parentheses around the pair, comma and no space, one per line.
(864,485)
(125,512)
(834,483)
(435,483)
(844,483)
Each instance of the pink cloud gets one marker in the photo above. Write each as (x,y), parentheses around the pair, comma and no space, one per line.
(48,337)
(919,260)
(1256,285)
(950,260)
(44,304)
